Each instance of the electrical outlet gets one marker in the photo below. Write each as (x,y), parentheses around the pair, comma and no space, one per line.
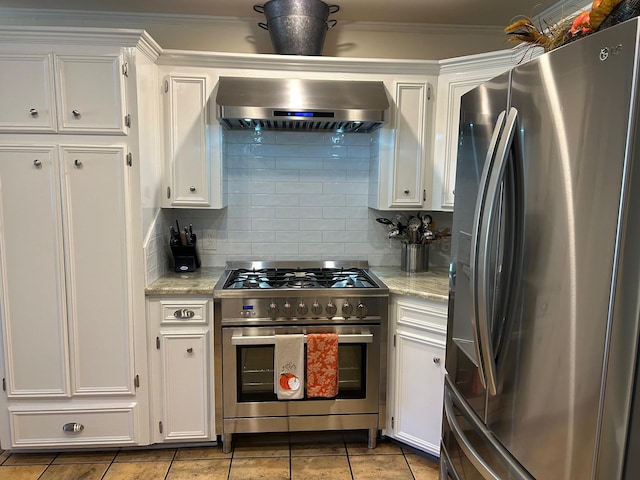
(209,240)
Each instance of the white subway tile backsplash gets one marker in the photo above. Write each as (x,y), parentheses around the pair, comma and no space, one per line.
(275,175)
(323,200)
(247,187)
(350,188)
(318,224)
(335,248)
(291,196)
(272,248)
(301,212)
(344,212)
(280,200)
(301,188)
(273,224)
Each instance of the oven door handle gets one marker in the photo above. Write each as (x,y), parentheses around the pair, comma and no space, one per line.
(271,339)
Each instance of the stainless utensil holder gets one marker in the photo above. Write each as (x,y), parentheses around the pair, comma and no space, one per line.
(414,257)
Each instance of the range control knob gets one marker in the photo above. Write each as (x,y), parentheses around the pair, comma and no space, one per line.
(361,310)
(302,308)
(287,309)
(331,309)
(316,308)
(273,310)
(347,309)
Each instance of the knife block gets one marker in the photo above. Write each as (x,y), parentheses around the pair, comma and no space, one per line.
(185,257)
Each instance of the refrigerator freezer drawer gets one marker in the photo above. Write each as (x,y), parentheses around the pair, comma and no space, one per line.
(473,453)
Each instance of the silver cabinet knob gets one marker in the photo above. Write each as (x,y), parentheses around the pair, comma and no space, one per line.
(189,350)
(192,189)
(72,427)
(77,163)
(33,112)
(75,113)
(436,360)
(37,163)
(184,313)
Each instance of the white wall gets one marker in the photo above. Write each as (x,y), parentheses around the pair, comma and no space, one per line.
(242,35)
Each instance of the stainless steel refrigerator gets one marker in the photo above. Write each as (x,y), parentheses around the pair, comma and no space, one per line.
(544,306)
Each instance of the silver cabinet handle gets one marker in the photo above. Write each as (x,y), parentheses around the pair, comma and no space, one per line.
(192,189)
(189,350)
(37,163)
(77,163)
(72,427)
(33,112)
(184,313)
(75,113)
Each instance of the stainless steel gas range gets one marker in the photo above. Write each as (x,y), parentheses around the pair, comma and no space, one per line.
(255,301)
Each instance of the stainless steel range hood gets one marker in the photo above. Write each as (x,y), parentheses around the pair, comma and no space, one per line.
(295,104)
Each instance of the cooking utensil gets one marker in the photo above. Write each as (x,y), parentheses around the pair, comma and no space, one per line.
(384,221)
(413,227)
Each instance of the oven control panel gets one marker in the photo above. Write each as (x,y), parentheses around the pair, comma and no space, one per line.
(301,308)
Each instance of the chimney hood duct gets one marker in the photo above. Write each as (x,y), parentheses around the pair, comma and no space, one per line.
(301,105)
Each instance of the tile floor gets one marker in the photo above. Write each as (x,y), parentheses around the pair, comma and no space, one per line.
(310,456)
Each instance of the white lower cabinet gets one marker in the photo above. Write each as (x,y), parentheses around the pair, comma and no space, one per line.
(181,364)
(416,372)
(66,300)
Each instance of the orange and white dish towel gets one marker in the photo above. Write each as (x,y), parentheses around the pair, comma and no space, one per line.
(289,367)
(322,365)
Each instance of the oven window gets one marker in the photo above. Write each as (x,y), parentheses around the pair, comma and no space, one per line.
(256,372)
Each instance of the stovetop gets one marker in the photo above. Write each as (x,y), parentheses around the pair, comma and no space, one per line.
(300,291)
(301,275)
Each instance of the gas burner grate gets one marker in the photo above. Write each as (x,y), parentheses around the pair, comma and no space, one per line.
(298,278)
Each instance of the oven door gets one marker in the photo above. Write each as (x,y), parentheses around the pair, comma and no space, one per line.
(248,373)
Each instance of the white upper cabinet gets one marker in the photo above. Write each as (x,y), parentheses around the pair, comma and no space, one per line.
(32,107)
(192,167)
(457,77)
(62,93)
(91,94)
(398,178)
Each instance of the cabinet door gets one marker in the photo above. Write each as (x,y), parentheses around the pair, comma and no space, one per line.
(455,92)
(27,98)
(95,202)
(90,94)
(185,378)
(188,182)
(419,389)
(32,306)
(407,187)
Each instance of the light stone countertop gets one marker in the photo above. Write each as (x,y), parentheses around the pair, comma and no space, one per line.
(200,282)
(432,285)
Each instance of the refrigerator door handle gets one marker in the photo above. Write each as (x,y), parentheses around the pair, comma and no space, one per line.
(475,238)
(493,190)
(472,455)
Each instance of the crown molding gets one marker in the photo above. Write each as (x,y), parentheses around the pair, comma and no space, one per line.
(253,61)
(116,37)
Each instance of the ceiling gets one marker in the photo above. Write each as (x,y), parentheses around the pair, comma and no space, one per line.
(445,12)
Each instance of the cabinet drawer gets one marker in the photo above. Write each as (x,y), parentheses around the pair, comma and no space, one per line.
(429,316)
(193,312)
(93,426)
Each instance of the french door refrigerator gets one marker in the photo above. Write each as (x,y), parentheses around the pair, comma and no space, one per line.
(544,303)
